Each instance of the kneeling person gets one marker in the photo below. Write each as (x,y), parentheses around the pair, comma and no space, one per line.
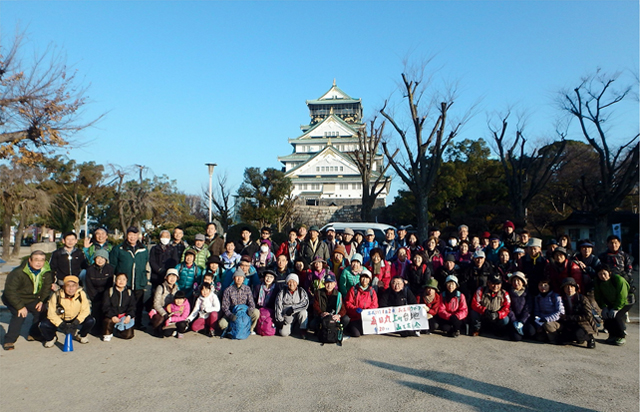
(238,294)
(329,302)
(490,306)
(69,309)
(291,307)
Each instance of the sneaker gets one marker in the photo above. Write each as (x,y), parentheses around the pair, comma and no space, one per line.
(417,333)
(30,338)
(8,346)
(591,343)
(51,343)
(345,337)
(81,339)
(456,334)
(253,332)
(175,333)
(180,335)
(620,341)
(610,340)
(107,338)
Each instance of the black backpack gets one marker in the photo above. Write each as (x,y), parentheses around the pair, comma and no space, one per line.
(330,330)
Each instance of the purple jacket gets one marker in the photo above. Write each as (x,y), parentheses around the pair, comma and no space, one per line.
(520,309)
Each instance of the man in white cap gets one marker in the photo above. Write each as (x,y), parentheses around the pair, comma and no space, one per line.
(291,307)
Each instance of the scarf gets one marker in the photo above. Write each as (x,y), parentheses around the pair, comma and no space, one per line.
(264,294)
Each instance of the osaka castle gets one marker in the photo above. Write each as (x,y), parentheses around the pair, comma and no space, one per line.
(320,167)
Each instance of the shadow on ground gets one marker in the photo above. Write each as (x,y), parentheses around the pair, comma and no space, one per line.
(516,401)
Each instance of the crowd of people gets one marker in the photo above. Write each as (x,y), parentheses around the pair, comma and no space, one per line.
(504,284)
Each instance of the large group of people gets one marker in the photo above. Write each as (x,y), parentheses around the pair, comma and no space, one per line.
(504,284)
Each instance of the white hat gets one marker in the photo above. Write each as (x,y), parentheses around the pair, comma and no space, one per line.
(293,277)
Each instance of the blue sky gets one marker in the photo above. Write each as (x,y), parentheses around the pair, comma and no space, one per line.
(186,83)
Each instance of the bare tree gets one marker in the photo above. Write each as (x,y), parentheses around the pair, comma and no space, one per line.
(423,149)
(526,174)
(592,104)
(221,201)
(371,166)
(41,103)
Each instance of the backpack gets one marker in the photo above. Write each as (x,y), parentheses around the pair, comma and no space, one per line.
(330,330)
(241,327)
(265,326)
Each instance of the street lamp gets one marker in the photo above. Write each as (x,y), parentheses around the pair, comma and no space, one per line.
(210,166)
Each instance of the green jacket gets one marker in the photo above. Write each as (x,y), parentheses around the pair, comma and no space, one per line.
(133,262)
(611,294)
(23,287)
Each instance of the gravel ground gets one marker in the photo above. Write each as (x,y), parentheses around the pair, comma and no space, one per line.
(288,374)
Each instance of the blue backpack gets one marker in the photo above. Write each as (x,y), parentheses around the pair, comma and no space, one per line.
(241,327)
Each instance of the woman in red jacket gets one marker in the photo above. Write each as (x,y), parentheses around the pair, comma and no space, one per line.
(360,297)
(431,297)
(561,268)
(453,308)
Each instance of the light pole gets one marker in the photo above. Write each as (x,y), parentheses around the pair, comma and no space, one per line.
(210,166)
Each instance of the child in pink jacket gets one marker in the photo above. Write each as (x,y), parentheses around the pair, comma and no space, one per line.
(179,310)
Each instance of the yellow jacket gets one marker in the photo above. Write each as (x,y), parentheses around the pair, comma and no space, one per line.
(76,307)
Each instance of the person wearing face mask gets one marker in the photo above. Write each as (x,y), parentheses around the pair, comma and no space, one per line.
(264,258)
(162,256)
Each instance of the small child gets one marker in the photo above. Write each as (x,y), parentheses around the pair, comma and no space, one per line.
(176,324)
(205,311)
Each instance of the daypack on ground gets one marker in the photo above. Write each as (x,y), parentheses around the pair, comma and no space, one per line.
(329,330)
(265,327)
(241,327)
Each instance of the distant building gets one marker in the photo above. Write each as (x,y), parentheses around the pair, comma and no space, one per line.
(320,167)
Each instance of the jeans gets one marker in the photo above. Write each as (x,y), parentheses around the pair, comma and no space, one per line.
(49,330)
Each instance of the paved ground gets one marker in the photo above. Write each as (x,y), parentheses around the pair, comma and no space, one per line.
(288,374)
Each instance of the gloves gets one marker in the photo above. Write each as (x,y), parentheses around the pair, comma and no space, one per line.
(606,313)
(518,326)
(491,315)
(233,318)
(288,311)
(358,310)
(69,327)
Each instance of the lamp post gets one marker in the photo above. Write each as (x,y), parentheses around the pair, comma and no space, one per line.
(211,166)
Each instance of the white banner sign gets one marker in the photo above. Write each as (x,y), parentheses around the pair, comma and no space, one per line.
(394,319)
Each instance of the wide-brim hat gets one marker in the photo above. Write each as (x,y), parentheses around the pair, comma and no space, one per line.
(520,275)
(433,284)
(172,271)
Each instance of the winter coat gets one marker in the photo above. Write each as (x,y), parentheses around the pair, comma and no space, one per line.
(315,281)
(308,250)
(338,268)
(292,252)
(456,304)
(620,263)
(504,269)
(534,269)
(348,279)
(390,298)
(442,274)
(476,277)
(359,298)
(435,258)
(178,313)
(492,254)
(400,269)
(613,293)
(390,248)
(161,258)
(90,252)
(230,262)
(116,303)
(557,273)
(298,300)
(76,307)
(484,299)
(22,286)
(548,307)
(270,295)
(163,296)
(520,308)
(351,249)
(434,305)
(248,249)
(188,276)
(131,260)
(578,313)
(365,250)
(384,277)
(202,255)
(61,265)
(329,303)
(97,280)
(216,245)
(418,278)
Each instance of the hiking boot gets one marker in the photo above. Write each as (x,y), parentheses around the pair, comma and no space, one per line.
(620,341)
(591,343)
(8,346)
(456,334)
(107,338)
(51,343)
